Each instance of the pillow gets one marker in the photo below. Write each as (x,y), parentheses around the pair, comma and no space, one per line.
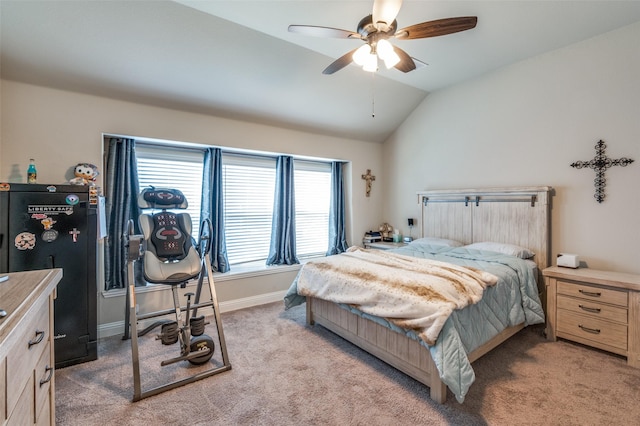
(509,249)
(437,242)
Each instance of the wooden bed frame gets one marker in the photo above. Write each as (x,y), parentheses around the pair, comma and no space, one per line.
(518,216)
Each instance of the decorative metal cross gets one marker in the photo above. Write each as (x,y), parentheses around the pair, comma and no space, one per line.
(74,234)
(369,178)
(600,163)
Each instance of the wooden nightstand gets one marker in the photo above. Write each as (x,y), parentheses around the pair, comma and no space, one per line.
(383,245)
(595,308)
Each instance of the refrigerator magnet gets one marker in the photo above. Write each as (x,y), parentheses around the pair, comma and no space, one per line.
(74,234)
(48,223)
(72,199)
(25,241)
(49,235)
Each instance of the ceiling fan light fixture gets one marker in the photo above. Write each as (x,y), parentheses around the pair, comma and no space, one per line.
(387,54)
(384,48)
(391,61)
(371,63)
(360,55)
(384,13)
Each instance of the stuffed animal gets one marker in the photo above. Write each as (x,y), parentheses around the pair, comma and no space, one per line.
(85,174)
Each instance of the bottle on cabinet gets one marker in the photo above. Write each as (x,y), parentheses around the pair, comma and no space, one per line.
(32,174)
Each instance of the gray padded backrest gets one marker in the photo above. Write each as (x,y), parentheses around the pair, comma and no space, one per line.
(166,264)
(162,198)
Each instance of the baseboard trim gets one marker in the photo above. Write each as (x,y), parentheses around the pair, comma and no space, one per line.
(116,328)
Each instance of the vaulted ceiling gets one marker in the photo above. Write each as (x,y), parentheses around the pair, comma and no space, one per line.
(236,59)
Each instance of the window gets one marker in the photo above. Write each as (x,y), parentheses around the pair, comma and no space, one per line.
(249,184)
(248,188)
(165,167)
(313,199)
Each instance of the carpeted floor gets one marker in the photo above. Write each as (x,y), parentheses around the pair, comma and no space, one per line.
(287,373)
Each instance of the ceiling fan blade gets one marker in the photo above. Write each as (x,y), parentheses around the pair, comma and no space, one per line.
(339,63)
(436,28)
(406,63)
(315,31)
(385,11)
(419,63)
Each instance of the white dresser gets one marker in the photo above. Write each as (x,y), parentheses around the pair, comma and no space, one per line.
(27,391)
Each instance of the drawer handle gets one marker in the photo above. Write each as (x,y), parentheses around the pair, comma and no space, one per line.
(38,339)
(589,330)
(590,293)
(49,377)
(588,309)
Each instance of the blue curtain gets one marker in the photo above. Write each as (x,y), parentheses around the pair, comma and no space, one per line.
(212,207)
(337,236)
(283,226)
(122,188)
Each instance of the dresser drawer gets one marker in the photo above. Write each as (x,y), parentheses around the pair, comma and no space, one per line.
(3,390)
(43,378)
(44,416)
(597,330)
(593,309)
(587,292)
(30,346)
(23,413)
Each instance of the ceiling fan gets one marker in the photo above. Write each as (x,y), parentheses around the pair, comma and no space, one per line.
(376,29)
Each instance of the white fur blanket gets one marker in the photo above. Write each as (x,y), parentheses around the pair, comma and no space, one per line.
(413,293)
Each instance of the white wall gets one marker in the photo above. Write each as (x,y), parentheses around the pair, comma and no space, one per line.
(524,125)
(60,129)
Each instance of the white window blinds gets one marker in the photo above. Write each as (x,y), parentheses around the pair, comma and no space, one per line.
(313,192)
(165,167)
(249,184)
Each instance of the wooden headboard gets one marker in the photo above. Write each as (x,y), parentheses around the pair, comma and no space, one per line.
(518,216)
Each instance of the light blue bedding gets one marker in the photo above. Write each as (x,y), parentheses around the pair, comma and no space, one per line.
(513,300)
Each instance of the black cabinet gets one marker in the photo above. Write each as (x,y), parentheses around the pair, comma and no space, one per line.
(55,226)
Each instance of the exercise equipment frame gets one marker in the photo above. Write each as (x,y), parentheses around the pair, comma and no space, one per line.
(134,249)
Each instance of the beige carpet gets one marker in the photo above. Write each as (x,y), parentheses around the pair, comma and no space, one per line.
(286,373)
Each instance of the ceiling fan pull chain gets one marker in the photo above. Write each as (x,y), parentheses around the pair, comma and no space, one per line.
(373,96)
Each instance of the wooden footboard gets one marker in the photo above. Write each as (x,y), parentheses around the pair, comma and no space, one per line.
(397,350)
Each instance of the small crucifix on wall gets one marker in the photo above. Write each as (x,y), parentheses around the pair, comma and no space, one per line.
(369,178)
(600,164)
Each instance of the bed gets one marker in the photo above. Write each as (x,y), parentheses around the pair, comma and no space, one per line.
(504,217)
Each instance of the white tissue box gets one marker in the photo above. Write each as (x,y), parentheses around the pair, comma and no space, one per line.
(568,260)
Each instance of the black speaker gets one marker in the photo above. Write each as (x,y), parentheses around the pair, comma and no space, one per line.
(410,222)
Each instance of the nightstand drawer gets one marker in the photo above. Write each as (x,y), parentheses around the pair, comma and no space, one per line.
(593,309)
(590,328)
(602,295)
